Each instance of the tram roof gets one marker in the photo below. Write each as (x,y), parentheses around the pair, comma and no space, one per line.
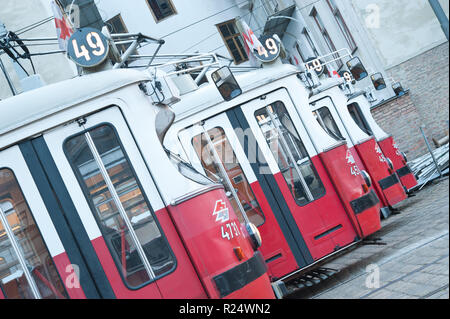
(33,105)
(208,95)
(356,94)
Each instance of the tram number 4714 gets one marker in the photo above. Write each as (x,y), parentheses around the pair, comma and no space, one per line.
(230,230)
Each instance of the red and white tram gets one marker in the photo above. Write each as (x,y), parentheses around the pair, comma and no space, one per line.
(281,170)
(92,207)
(329,104)
(359,108)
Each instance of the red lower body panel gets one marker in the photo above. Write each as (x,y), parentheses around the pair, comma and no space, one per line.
(323,223)
(181,283)
(68,276)
(274,247)
(212,239)
(258,289)
(409,181)
(378,169)
(391,151)
(344,172)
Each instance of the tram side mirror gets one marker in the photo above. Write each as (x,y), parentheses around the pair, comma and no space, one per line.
(255,236)
(226,83)
(378,81)
(357,69)
(398,89)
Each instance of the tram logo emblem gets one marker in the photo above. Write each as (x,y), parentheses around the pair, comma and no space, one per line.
(350,158)
(221,212)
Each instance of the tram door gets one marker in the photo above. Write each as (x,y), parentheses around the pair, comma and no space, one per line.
(118,218)
(214,148)
(287,192)
(33,264)
(325,113)
(299,173)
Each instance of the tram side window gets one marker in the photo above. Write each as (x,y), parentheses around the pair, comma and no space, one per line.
(359,119)
(27,270)
(326,120)
(140,252)
(233,169)
(290,153)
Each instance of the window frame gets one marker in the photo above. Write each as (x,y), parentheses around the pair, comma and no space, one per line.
(361,120)
(122,47)
(313,167)
(201,135)
(334,120)
(93,208)
(175,12)
(343,27)
(25,202)
(233,37)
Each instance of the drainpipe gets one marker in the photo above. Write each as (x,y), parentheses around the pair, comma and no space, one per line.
(440,14)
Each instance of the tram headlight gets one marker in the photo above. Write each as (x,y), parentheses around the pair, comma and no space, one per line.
(390,164)
(405,158)
(367,178)
(255,236)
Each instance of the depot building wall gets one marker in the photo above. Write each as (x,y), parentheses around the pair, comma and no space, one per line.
(400,118)
(426,76)
(426,104)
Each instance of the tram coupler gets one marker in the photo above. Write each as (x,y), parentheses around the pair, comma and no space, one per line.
(395,211)
(385,212)
(373,241)
(279,289)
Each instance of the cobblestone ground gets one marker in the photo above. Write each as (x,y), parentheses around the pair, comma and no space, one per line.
(413,264)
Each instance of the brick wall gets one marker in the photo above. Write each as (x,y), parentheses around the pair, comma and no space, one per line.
(400,118)
(427,78)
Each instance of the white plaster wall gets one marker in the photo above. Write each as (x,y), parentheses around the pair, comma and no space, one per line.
(19,14)
(200,37)
(407,28)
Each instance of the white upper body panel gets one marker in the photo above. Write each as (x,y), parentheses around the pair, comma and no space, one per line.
(354,134)
(42,110)
(207,102)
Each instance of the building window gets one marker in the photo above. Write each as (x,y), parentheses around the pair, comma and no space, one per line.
(89,14)
(161,9)
(310,42)
(116,25)
(302,55)
(326,36)
(308,48)
(233,41)
(342,25)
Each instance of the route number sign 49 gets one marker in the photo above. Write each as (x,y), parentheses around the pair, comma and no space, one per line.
(88,47)
(269,50)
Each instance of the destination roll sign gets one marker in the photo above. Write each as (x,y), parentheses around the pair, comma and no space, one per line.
(88,47)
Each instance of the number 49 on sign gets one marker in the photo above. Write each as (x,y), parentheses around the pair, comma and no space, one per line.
(88,47)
